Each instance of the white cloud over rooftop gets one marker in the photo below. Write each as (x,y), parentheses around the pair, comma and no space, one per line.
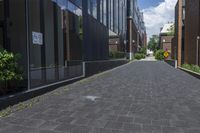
(156,17)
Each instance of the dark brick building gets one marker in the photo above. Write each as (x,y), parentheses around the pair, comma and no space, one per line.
(192,30)
(178,42)
(187,30)
(166,38)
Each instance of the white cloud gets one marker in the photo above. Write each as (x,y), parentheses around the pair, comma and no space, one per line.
(156,17)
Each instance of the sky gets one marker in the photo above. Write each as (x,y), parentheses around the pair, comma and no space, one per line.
(156,14)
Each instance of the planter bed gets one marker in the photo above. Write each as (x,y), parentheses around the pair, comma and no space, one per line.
(195,74)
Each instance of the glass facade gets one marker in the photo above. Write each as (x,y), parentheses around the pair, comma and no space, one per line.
(53,34)
(50,38)
(59,56)
(92,8)
(105,12)
(1,22)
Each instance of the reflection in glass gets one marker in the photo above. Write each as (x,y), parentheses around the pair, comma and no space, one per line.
(49,41)
(1,22)
(105,12)
(1,10)
(101,11)
(92,8)
(36,67)
(112,14)
(77,2)
(1,37)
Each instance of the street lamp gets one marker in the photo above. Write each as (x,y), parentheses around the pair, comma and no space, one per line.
(197,52)
(138,39)
(131,50)
(125,50)
(163,43)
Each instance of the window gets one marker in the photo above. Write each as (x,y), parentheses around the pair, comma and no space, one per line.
(1,10)
(49,51)
(92,8)
(112,15)
(116,15)
(101,11)
(1,22)
(77,3)
(1,36)
(36,67)
(105,12)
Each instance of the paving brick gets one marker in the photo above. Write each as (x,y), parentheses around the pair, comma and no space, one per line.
(141,97)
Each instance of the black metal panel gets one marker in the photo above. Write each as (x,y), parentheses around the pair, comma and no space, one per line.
(95,38)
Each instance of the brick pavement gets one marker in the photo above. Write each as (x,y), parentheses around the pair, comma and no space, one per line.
(141,97)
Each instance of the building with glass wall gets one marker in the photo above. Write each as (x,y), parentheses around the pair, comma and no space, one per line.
(55,37)
(136,30)
(126,25)
(48,35)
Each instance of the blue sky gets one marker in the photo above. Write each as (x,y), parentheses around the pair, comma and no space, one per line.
(157,13)
(147,3)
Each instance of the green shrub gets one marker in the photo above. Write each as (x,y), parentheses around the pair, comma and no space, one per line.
(159,55)
(116,55)
(9,69)
(143,51)
(193,68)
(139,56)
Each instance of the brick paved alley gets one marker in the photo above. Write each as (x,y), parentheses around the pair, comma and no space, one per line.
(141,97)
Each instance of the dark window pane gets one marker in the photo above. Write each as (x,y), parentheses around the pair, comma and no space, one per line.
(1,10)
(92,8)
(1,37)
(49,40)
(105,12)
(36,67)
(17,33)
(77,2)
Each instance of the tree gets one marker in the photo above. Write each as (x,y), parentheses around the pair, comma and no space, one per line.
(153,43)
(171,30)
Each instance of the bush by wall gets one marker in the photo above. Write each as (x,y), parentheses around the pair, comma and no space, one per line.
(193,68)
(117,55)
(143,51)
(9,69)
(159,55)
(139,56)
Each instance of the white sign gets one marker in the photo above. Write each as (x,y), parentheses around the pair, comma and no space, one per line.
(37,38)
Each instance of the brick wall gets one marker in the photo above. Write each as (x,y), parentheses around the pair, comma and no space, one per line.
(192,30)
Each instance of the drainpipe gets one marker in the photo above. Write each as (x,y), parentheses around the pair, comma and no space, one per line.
(27,46)
(197,51)
(130,38)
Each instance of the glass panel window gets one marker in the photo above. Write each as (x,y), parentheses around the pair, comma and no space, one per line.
(105,12)
(112,14)
(1,37)
(36,67)
(1,22)
(77,2)
(92,8)
(49,41)
(1,10)
(73,8)
(116,15)
(101,11)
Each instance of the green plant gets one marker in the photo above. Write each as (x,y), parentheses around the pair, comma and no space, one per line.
(143,51)
(153,43)
(9,68)
(139,56)
(193,68)
(159,55)
(116,55)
